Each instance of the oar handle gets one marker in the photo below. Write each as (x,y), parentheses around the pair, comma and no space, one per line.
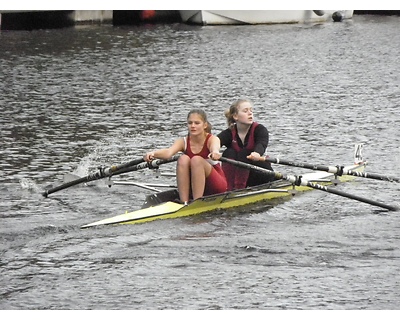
(249,166)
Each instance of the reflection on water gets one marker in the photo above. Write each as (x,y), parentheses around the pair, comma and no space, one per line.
(76,98)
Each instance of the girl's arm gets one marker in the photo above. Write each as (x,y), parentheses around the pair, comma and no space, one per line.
(261,136)
(166,153)
(214,144)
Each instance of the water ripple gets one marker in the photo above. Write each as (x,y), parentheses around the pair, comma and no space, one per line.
(77,98)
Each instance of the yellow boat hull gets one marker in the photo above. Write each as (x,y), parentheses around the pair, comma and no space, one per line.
(281,190)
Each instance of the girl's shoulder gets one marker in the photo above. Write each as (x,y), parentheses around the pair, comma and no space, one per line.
(260,127)
(180,143)
(227,131)
(210,136)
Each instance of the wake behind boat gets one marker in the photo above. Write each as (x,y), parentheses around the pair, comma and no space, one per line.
(165,205)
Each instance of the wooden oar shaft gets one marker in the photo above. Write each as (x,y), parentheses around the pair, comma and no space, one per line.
(299,181)
(332,169)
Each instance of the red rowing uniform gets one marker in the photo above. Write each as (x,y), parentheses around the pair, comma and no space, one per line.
(216,181)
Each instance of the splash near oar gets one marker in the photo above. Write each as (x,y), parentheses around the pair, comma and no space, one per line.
(102,173)
(297,180)
(133,165)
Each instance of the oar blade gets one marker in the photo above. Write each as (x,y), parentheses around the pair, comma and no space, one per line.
(69,177)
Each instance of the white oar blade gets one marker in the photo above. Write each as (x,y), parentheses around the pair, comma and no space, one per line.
(70,177)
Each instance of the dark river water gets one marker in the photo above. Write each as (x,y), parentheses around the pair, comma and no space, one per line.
(76,98)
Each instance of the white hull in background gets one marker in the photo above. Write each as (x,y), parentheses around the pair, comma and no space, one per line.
(227,17)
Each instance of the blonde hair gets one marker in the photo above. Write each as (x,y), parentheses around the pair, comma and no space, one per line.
(234,110)
(203,116)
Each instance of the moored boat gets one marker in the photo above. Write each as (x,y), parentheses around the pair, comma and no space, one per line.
(237,17)
(163,205)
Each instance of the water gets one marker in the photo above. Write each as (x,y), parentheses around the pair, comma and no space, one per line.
(76,98)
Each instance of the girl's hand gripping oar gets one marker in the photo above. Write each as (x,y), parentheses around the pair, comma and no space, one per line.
(102,173)
(298,181)
(153,164)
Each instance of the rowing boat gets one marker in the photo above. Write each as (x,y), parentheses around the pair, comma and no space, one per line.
(164,205)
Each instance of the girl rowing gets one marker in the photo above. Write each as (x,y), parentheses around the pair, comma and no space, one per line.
(245,140)
(196,173)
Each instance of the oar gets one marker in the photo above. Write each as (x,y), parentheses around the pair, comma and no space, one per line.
(299,181)
(133,165)
(154,164)
(103,172)
(332,169)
